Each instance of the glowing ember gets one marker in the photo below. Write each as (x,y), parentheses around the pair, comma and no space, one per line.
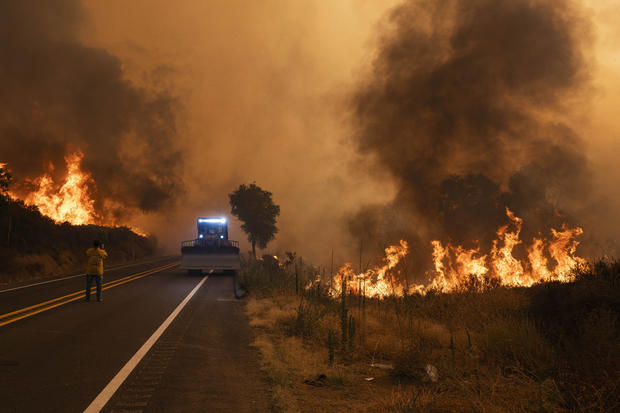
(456,268)
(70,202)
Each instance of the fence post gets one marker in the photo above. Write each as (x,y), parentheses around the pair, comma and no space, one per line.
(331,271)
(296,279)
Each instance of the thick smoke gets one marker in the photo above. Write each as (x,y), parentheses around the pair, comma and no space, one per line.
(60,96)
(468,106)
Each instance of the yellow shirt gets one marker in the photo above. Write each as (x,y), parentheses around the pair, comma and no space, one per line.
(95,260)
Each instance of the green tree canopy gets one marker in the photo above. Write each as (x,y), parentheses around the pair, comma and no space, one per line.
(255,208)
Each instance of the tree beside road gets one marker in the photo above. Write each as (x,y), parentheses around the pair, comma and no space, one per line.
(255,208)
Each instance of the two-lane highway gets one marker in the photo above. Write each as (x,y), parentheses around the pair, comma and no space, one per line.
(19,295)
(22,295)
(60,353)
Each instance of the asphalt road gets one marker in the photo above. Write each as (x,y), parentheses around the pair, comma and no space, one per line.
(61,356)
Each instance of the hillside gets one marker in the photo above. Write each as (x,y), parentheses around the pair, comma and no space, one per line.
(34,246)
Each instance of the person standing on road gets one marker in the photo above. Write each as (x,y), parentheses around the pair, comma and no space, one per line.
(94,268)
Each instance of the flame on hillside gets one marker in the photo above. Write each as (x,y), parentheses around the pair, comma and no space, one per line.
(69,201)
(456,267)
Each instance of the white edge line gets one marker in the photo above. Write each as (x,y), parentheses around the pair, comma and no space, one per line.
(40,283)
(100,401)
(73,276)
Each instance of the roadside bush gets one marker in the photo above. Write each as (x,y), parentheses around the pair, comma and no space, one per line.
(560,309)
(306,322)
(262,278)
(516,345)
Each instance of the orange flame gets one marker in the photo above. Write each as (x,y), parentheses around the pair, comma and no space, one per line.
(562,250)
(69,203)
(456,267)
(378,282)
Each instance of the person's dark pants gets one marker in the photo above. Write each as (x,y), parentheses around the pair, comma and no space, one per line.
(89,281)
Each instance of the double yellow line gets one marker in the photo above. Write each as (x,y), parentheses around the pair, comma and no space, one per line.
(14,316)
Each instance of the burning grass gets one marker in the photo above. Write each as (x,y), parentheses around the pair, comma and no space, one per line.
(457,268)
(549,347)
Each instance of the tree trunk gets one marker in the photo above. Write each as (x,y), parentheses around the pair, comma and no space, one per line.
(8,234)
(254,249)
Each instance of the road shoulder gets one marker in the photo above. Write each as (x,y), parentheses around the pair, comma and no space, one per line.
(203,362)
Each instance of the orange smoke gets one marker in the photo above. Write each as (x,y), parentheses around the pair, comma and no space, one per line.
(457,268)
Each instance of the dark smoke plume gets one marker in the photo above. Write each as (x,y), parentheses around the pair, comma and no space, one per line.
(59,96)
(466,107)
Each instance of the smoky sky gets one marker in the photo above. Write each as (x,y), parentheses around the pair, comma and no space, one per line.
(467,106)
(60,96)
(459,108)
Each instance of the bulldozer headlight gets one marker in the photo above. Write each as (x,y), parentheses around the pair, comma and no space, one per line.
(213,220)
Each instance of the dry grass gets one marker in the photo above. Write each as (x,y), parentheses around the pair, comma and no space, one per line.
(289,361)
(552,348)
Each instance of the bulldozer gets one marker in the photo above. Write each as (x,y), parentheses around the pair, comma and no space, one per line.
(211,251)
